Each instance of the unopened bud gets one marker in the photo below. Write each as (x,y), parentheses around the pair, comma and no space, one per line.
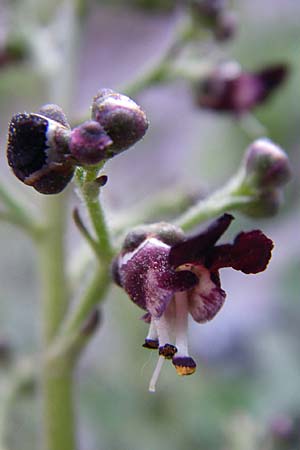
(165,232)
(226,26)
(37,151)
(265,204)
(54,112)
(207,10)
(267,165)
(122,119)
(89,143)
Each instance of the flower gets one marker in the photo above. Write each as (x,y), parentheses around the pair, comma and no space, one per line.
(37,147)
(229,88)
(43,151)
(171,276)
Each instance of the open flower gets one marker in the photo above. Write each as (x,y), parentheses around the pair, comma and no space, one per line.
(230,89)
(171,276)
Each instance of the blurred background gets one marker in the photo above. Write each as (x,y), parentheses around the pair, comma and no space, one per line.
(245,394)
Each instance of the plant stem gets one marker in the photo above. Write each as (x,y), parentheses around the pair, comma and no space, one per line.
(52,266)
(231,197)
(90,192)
(57,378)
(59,420)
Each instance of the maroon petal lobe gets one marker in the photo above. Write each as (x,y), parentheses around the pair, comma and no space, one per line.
(148,278)
(207,298)
(250,253)
(193,249)
(272,77)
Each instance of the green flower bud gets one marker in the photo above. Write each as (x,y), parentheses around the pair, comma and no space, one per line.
(122,119)
(265,204)
(267,165)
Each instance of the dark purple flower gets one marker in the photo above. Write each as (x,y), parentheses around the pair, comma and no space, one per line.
(231,89)
(37,147)
(170,276)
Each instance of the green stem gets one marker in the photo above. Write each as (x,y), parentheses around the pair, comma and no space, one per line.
(90,192)
(232,196)
(57,378)
(52,266)
(59,420)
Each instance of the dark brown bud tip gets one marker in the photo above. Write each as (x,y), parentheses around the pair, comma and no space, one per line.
(36,152)
(123,120)
(92,323)
(89,143)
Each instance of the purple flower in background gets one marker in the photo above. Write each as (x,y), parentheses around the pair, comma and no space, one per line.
(171,276)
(229,88)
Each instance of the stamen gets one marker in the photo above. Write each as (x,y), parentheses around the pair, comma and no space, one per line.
(154,378)
(162,330)
(181,324)
(184,364)
(151,340)
(167,351)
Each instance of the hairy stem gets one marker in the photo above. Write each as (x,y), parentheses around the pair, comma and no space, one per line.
(57,378)
(231,197)
(59,429)
(52,265)
(90,191)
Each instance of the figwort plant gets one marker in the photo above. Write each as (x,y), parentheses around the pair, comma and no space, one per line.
(163,269)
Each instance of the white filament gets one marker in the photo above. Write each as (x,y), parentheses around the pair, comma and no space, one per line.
(181,324)
(152,333)
(162,328)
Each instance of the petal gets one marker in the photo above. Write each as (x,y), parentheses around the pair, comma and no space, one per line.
(178,281)
(249,253)
(207,298)
(272,77)
(147,277)
(194,248)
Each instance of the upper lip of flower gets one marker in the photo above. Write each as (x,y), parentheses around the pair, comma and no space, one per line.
(170,281)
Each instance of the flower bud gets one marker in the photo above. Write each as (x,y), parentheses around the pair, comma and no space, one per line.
(37,150)
(226,26)
(165,232)
(122,119)
(264,204)
(89,143)
(267,165)
(54,112)
(207,10)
